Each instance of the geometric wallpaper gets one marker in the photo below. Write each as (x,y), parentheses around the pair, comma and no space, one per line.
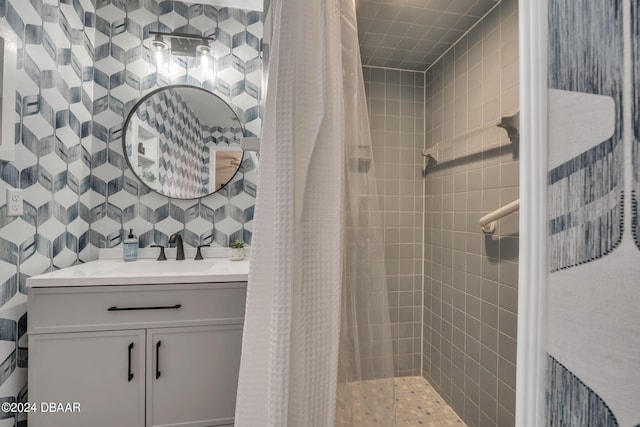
(52,166)
(182,162)
(123,73)
(81,65)
(184,143)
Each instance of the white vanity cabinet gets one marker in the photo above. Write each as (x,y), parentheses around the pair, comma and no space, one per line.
(91,369)
(135,355)
(185,368)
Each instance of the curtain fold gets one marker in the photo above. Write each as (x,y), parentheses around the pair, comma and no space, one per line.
(317,322)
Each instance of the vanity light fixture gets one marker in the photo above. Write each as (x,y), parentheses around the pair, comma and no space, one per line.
(160,49)
(204,51)
(182,44)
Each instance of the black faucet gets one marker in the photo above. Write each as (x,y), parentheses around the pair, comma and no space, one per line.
(177,239)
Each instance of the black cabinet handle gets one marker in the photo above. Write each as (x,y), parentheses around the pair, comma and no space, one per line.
(158,359)
(130,374)
(161,307)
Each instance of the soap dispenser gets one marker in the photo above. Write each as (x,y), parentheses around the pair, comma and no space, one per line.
(130,249)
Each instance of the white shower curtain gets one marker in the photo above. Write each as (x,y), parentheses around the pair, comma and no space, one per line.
(307,305)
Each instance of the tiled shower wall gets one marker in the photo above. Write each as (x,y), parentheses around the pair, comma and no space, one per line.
(470,299)
(396,111)
(80,67)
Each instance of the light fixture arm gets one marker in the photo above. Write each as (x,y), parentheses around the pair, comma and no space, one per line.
(183,44)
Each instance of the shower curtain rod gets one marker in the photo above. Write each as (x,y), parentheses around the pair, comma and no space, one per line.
(488,222)
(509,123)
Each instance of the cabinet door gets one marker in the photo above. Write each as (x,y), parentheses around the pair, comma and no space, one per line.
(101,371)
(195,382)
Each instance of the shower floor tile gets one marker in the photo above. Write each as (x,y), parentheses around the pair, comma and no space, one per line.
(419,405)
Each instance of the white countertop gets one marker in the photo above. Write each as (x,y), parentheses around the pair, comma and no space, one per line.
(144,272)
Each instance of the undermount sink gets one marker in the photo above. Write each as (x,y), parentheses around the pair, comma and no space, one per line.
(144,271)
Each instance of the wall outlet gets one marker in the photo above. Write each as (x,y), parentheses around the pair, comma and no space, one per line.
(14,202)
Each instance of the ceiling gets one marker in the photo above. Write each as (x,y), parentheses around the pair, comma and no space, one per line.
(413,34)
(210,110)
(405,34)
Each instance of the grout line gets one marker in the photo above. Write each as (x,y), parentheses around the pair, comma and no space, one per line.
(423,198)
(395,69)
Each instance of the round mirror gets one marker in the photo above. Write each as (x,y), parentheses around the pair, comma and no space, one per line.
(183,142)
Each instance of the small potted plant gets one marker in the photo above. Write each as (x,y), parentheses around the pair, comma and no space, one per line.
(148,176)
(236,250)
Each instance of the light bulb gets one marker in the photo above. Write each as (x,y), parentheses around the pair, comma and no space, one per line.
(159,47)
(205,61)
(204,56)
(159,57)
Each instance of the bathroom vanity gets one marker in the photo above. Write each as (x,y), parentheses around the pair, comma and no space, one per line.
(144,343)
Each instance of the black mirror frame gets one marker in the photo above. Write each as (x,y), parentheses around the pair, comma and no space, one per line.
(144,99)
